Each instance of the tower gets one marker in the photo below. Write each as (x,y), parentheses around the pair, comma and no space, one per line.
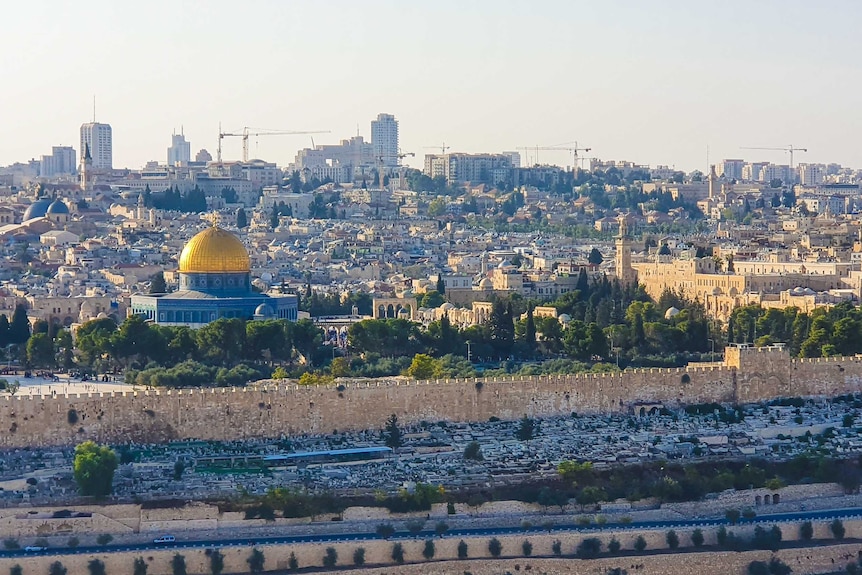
(86,164)
(711,180)
(384,140)
(623,256)
(99,138)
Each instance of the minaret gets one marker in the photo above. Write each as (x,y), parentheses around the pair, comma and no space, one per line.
(623,257)
(711,179)
(86,162)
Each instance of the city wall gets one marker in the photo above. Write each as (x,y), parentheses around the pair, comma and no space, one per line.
(747,375)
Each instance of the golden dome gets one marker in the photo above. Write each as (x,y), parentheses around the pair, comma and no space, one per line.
(214,250)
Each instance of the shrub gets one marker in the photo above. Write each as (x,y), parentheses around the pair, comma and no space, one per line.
(495,547)
(837,528)
(557,547)
(440,528)
(398,553)
(178,564)
(415,526)
(41,542)
(216,562)
(11,544)
(473,451)
(589,548)
(256,561)
(330,559)
(57,568)
(139,567)
(16,570)
(721,536)
(385,530)
(758,568)
(806,531)
(672,539)
(428,550)
(778,567)
(462,549)
(104,538)
(96,567)
(640,544)
(749,513)
(732,515)
(359,556)
(73,542)
(527,548)
(614,546)
(293,562)
(697,538)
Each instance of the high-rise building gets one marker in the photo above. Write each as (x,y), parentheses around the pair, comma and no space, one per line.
(180,152)
(61,162)
(98,137)
(384,139)
(731,169)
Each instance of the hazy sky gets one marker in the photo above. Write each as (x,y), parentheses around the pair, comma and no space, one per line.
(650,81)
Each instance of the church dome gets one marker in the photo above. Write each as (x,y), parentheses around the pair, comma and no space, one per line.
(58,207)
(37,209)
(214,250)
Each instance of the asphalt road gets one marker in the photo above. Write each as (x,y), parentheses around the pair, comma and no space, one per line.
(823,515)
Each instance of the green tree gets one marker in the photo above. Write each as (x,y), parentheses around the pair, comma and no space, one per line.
(732,515)
(178,564)
(806,531)
(462,549)
(292,562)
(428,550)
(526,429)
(527,548)
(441,528)
(19,328)
(697,538)
(385,530)
(557,547)
(157,283)
(359,556)
(640,544)
(473,451)
(40,350)
(595,257)
(423,366)
(241,219)
(837,529)
(139,567)
(530,332)
(672,539)
(104,539)
(441,285)
(330,558)
(256,561)
(16,570)
(57,568)
(392,433)
(93,469)
(96,567)
(614,546)
(495,547)
(216,562)
(398,553)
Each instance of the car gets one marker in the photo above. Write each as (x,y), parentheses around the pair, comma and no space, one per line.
(34,548)
(164,539)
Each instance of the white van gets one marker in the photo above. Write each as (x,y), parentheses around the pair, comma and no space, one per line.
(165,539)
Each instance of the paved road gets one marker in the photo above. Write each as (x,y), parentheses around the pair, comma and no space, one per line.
(823,515)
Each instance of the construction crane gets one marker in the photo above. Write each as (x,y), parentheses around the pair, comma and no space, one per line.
(789,149)
(246,132)
(574,150)
(442,148)
(399,156)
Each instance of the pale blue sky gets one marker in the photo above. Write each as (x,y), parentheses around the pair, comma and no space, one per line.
(654,82)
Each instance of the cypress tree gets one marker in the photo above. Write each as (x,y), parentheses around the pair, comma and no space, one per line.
(530,331)
(19,329)
(730,335)
(4,331)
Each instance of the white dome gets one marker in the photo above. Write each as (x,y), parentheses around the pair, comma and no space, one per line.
(564,318)
(671,312)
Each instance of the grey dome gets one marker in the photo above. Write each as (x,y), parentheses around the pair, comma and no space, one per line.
(37,209)
(264,310)
(58,207)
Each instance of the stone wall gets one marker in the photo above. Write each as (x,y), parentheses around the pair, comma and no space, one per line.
(228,414)
(803,561)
